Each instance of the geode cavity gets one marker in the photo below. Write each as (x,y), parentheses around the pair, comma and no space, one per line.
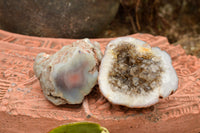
(135,75)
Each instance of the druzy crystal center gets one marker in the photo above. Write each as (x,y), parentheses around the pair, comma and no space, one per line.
(134,73)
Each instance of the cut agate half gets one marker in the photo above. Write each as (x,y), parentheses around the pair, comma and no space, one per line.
(70,74)
(135,75)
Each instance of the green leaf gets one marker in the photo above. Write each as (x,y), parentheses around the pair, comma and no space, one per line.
(80,127)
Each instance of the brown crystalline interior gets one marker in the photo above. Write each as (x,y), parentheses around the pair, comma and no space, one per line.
(133,74)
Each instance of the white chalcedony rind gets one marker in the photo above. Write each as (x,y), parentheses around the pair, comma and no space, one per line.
(69,74)
(133,95)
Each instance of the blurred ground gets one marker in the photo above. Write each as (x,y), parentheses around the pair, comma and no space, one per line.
(179,21)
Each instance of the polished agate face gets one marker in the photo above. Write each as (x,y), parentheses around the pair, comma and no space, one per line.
(135,75)
(70,74)
(76,77)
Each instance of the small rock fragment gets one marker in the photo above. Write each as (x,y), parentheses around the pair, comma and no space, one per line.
(69,74)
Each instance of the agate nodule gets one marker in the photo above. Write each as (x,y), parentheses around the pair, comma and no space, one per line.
(135,75)
(69,74)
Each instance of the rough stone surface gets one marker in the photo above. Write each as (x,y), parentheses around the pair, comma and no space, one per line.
(57,18)
(23,107)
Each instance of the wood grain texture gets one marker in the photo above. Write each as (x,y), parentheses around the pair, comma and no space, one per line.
(22,102)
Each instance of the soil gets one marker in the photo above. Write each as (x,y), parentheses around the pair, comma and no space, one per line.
(179,21)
